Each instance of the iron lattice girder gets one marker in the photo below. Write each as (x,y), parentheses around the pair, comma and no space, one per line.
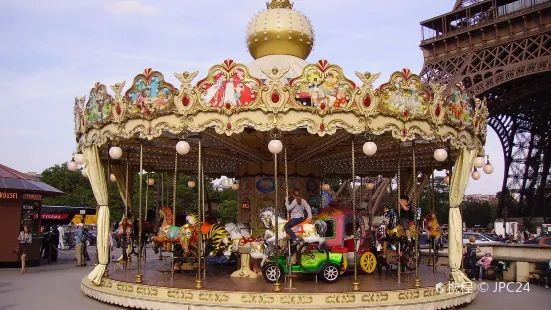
(514,73)
(477,68)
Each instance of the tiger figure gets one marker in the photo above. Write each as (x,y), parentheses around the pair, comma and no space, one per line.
(217,234)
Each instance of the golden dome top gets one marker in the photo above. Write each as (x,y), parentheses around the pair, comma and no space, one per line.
(280,30)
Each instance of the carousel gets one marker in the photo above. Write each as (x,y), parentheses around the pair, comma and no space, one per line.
(280,126)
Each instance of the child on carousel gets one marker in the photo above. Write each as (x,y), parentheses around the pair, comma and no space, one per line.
(296,209)
(434,228)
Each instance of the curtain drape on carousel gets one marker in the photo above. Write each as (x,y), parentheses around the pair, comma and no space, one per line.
(120,175)
(96,175)
(458,184)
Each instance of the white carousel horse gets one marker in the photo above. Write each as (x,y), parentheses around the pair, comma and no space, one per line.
(310,233)
(247,246)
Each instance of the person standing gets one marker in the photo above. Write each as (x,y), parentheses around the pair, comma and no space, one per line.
(296,208)
(43,242)
(61,245)
(25,238)
(470,255)
(79,245)
(54,234)
(406,215)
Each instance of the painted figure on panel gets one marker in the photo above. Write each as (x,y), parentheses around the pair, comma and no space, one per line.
(321,90)
(460,106)
(405,97)
(232,90)
(149,93)
(98,108)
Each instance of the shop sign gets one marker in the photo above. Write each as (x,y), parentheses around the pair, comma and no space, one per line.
(32,197)
(30,207)
(4,195)
(53,216)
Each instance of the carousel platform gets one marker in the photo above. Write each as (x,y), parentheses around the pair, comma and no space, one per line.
(222,291)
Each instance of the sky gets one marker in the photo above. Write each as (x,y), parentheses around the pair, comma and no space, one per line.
(56,50)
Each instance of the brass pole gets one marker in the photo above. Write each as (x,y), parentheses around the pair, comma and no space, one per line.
(198,281)
(203,206)
(174,177)
(355,284)
(126,186)
(144,251)
(417,282)
(139,275)
(399,208)
(433,209)
(289,260)
(277,285)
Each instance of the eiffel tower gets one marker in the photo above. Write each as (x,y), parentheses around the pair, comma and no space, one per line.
(501,50)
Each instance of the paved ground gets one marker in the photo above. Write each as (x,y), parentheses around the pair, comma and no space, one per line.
(57,287)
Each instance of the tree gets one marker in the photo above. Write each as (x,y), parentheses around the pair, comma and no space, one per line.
(441,200)
(478,213)
(228,211)
(76,188)
(78,191)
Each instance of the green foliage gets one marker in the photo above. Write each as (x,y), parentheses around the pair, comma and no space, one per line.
(78,192)
(441,200)
(478,214)
(228,211)
(76,188)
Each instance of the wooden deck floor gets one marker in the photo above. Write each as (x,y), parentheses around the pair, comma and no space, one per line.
(218,278)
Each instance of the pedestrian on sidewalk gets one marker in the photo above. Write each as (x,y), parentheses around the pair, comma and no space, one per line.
(61,245)
(25,238)
(79,245)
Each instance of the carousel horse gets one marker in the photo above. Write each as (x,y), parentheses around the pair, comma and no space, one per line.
(247,246)
(124,236)
(434,234)
(170,233)
(310,233)
(147,228)
(395,233)
(214,233)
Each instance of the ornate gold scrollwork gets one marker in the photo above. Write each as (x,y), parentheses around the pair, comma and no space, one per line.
(187,97)
(409,295)
(257,299)
(375,297)
(296,299)
(216,297)
(340,299)
(180,294)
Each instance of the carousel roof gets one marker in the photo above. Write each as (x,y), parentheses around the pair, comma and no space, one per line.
(236,109)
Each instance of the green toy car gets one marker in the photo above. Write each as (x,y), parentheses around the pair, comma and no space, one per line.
(327,264)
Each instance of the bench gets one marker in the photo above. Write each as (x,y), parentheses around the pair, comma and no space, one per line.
(498,268)
(537,275)
(165,272)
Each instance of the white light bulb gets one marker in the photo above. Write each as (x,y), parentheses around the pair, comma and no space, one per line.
(440,155)
(478,162)
(72,166)
(475,175)
(370,148)
(488,168)
(182,147)
(79,159)
(275,146)
(115,152)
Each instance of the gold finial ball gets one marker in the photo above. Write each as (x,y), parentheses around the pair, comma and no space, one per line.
(280,31)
